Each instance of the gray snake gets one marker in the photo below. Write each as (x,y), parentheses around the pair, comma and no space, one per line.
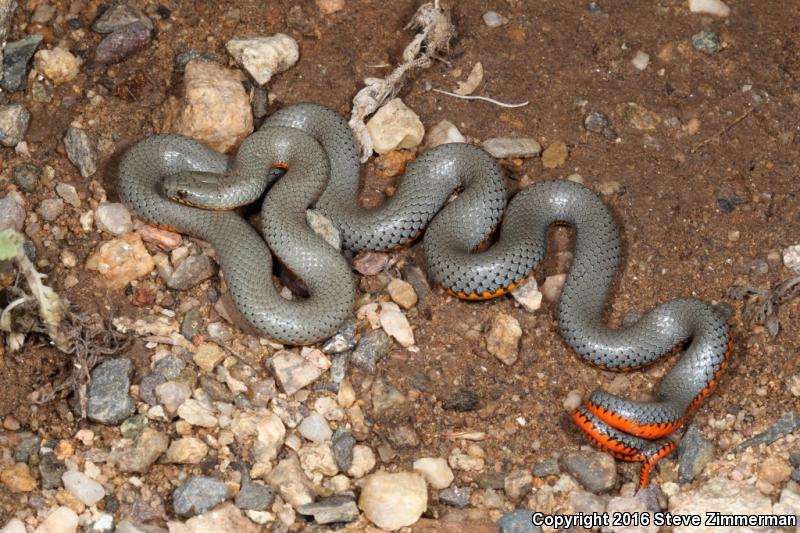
(315,147)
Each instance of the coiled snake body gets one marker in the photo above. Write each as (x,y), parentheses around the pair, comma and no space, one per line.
(315,148)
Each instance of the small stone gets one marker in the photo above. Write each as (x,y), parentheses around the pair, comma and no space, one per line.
(172,394)
(462,461)
(712,7)
(14,120)
(169,366)
(191,323)
(573,400)
(15,61)
(198,494)
(793,384)
(518,484)
(580,501)
(12,214)
(191,272)
(503,337)
(519,521)
(263,57)
(148,386)
(26,448)
(775,470)
(121,43)
(329,6)
(333,509)
(213,107)
(395,126)
(363,461)
(395,323)
(343,341)
(385,397)
(15,525)
(121,261)
(791,258)
(456,496)
(26,176)
(81,151)
(546,467)
(222,518)
(113,218)
(254,496)
(197,414)
(62,520)
(109,399)
(638,116)
(402,293)
(166,240)
(554,155)
(392,501)
(641,60)
(120,14)
(132,427)
(17,478)
(528,295)
(694,453)
(444,132)
(51,469)
(435,471)
(706,41)
(270,436)
(371,348)
(291,482)
(463,401)
(57,65)
(342,444)
(69,194)
(186,451)
(50,209)
(208,356)
(606,188)
(145,450)
(494,19)
(596,471)
(597,122)
(292,371)
(315,428)
(317,460)
(723,495)
(323,227)
(507,148)
(87,490)
(551,288)
(370,263)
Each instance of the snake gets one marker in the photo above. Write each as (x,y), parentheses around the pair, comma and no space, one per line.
(306,157)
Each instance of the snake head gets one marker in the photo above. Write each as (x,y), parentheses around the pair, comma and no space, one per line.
(197,189)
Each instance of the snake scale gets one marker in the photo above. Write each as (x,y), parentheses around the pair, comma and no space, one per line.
(313,148)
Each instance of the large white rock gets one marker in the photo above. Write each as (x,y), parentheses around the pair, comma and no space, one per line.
(392,501)
(15,525)
(712,7)
(791,258)
(263,57)
(435,470)
(395,323)
(395,126)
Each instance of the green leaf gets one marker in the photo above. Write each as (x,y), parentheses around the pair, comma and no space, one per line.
(10,241)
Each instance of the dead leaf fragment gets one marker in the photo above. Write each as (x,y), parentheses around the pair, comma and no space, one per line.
(473,80)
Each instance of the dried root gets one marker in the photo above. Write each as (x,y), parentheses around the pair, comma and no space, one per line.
(761,305)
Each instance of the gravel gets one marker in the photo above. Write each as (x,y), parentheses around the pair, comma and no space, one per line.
(14,120)
(15,62)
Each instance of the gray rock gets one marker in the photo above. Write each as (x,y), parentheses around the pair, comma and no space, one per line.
(706,41)
(25,176)
(14,120)
(192,271)
(343,341)
(12,214)
(69,194)
(217,391)
(147,388)
(546,467)
(518,522)
(338,508)
(17,55)
(417,278)
(254,497)
(596,471)
(456,496)
(109,400)
(81,151)
(463,400)
(6,10)
(787,424)
(371,348)
(124,41)
(292,371)
(198,494)
(505,148)
(191,324)
(26,448)
(50,209)
(339,364)
(120,14)
(132,427)
(694,453)
(597,122)
(169,366)
(342,444)
(51,469)
(145,450)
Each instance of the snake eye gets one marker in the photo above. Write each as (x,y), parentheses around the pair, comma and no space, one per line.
(181,193)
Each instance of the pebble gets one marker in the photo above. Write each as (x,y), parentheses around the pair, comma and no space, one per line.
(255,496)
(456,496)
(113,218)
(87,490)
(292,371)
(186,451)
(402,293)
(370,263)
(57,65)
(119,15)
(555,155)
(145,450)
(712,7)
(694,453)
(793,384)
(198,494)
(596,471)
(722,495)
(69,194)
(342,444)
(208,356)
(385,397)
(213,107)
(109,400)
(15,61)
(169,366)
(518,484)
(442,133)
(546,467)
(197,413)
(317,460)
(132,427)
(706,41)
(121,261)
(50,209)
(551,288)
(12,214)
(494,19)
(508,148)
(50,470)
(435,470)
(395,126)
(641,60)
(315,428)
(329,6)
(223,518)
(323,227)
(121,43)
(395,323)
(775,470)
(166,240)
(791,258)
(62,520)
(573,400)
(597,122)
(263,57)
(393,500)
(343,341)
(15,525)
(172,394)
(18,478)
(371,348)
(270,436)
(14,120)
(291,482)
(26,176)
(785,425)
(519,521)
(363,461)
(503,337)
(638,116)
(528,295)
(26,448)
(339,508)
(81,151)
(462,401)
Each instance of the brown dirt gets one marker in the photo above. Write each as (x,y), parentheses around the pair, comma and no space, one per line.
(554,54)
